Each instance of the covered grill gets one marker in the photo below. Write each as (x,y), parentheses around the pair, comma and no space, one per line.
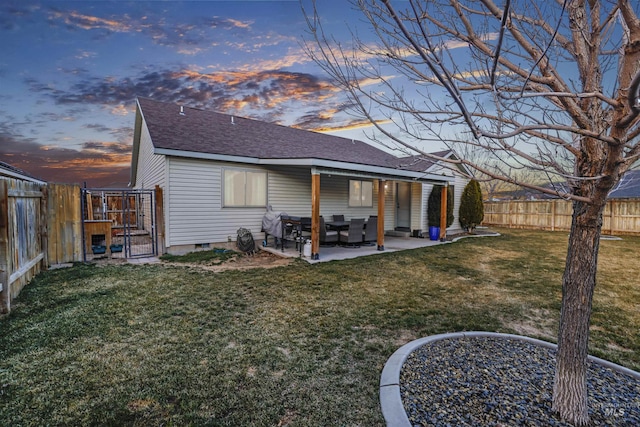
(272,225)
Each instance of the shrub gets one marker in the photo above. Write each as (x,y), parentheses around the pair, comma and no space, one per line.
(471,211)
(433,207)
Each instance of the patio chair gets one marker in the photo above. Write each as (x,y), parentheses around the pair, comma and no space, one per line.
(327,236)
(338,217)
(353,236)
(303,232)
(370,233)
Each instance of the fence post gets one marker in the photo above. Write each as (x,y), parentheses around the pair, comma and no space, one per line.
(5,291)
(44,228)
(612,205)
(510,214)
(160,220)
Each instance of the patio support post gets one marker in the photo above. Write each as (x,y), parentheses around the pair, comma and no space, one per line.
(381,184)
(443,212)
(5,249)
(315,214)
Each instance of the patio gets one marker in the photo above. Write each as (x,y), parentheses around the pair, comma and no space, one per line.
(333,253)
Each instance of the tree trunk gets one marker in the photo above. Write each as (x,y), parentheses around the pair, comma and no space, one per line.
(578,283)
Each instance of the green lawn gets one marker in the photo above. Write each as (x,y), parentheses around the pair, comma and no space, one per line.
(301,345)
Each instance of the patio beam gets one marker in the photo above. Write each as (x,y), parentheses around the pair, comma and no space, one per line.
(399,175)
(443,212)
(381,184)
(315,214)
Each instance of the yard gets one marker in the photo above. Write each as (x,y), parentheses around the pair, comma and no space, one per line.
(299,345)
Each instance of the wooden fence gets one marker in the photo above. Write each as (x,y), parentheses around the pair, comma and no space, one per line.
(621,216)
(39,226)
(64,224)
(21,227)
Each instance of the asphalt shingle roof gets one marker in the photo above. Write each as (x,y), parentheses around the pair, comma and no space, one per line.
(10,168)
(628,187)
(418,163)
(203,131)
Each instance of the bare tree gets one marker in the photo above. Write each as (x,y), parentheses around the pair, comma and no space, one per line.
(493,188)
(549,86)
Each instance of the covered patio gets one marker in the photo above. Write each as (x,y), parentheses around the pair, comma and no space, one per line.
(379,177)
(337,252)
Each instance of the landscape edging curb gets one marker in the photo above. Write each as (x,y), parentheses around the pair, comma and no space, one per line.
(391,399)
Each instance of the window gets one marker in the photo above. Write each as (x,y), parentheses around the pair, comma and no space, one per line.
(360,193)
(245,188)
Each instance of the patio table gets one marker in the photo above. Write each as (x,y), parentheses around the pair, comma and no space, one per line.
(338,225)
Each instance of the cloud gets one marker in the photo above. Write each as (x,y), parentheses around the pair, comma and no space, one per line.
(13,13)
(85,54)
(239,24)
(373,51)
(120,110)
(291,58)
(97,163)
(123,135)
(258,94)
(98,127)
(190,50)
(78,20)
(107,147)
(188,38)
(356,124)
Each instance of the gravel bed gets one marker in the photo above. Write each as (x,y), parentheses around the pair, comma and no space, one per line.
(485,381)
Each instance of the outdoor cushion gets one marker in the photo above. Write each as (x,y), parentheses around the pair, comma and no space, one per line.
(327,236)
(353,236)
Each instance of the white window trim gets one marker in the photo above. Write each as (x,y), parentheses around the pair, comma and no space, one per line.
(245,171)
(361,198)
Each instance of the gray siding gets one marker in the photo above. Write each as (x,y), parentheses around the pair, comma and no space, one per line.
(193,201)
(290,190)
(390,205)
(417,208)
(151,167)
(426,190)
(460,183)
(334,198)
(151,170)
(195,213)
(458,188)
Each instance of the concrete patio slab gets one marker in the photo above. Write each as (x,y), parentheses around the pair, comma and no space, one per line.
(391,244)
(333,253)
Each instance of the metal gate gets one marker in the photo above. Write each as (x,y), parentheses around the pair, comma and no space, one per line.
(119,223)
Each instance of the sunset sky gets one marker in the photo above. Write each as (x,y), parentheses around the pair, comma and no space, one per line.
(70,72)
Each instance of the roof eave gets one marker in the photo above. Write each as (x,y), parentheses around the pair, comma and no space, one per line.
(206,156)
(11,174)
(135,152)
(310,162)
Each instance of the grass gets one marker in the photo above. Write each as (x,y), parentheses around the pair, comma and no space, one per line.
(301,345)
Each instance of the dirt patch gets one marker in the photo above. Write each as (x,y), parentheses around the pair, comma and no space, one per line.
(537,323)
(261,259)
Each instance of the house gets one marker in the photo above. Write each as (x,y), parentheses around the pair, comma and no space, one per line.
(627,188)
(218,173)
(8,171)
